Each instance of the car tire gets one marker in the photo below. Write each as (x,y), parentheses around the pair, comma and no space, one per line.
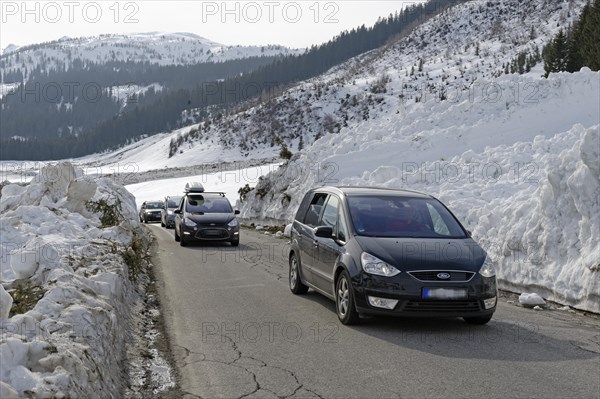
(478,320)
(177,238)
(344,300)
(235,243)
(182,240)
(296,285)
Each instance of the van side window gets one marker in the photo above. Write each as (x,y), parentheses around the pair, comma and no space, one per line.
(301,213)
(314,210)
(330,214)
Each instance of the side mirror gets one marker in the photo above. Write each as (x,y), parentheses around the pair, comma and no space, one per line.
(236,212)
(324,232)
(177,211)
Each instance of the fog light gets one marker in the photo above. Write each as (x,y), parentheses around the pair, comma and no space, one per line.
(384,303)
(489,303)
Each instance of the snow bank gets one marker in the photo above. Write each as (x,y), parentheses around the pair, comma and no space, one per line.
(69,286)
(524,179)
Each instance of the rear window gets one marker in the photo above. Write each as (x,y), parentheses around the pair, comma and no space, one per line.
(391,216)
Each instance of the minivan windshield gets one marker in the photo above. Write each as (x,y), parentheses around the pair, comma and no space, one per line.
(397,216)
(154,205)
(173,202)
(201,204)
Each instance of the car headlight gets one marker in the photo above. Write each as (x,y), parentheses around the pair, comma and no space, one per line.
(374,265)
(189,222)
(487,269)
(169,212)
(233,223)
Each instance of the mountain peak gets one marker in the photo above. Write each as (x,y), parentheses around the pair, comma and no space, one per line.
(10,48)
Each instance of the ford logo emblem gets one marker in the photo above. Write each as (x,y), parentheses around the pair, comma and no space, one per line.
(443,276)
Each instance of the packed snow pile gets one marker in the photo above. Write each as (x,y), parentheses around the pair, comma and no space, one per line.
(69,253)
(531,299)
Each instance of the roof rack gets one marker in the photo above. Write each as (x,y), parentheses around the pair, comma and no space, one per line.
(198,188)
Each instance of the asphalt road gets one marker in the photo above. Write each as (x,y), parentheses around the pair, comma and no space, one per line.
(237,332)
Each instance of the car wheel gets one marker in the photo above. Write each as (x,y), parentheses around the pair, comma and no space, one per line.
(478,320)
(235,243)
(296,285)
(182,240)
(344,300)
(177,238)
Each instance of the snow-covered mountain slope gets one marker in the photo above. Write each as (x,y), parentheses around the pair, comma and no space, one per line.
(153,47)
(515,156)
(466,46)
(152,153)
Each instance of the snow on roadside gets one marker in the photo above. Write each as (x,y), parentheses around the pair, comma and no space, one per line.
(227,181)
(69,272)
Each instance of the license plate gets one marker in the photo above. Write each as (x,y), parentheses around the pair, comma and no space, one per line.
(444,293)
(212,232)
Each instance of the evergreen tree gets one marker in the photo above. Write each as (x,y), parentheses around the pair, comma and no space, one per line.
(556,54)
(588,38)
(579,46)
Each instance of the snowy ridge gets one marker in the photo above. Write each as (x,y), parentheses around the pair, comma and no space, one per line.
(153,47)
(10,48)
(458,49)
(71,340)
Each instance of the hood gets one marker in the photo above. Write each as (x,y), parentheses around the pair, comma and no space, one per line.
(216,218)
(408,254)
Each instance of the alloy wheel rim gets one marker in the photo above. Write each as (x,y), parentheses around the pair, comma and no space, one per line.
(342,297)
(293,273)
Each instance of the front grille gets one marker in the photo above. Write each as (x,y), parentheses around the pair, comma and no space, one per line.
(431,275)
(212,234)
(439,306)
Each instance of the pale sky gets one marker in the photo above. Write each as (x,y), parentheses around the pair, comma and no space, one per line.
(290,23)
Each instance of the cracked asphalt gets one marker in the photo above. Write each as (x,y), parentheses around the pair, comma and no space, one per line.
(236,331)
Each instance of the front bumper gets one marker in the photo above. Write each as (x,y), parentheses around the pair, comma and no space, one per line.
(152,216)
(411,302)
(210,233)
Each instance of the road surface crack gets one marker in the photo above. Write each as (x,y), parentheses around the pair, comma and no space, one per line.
(253,369)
